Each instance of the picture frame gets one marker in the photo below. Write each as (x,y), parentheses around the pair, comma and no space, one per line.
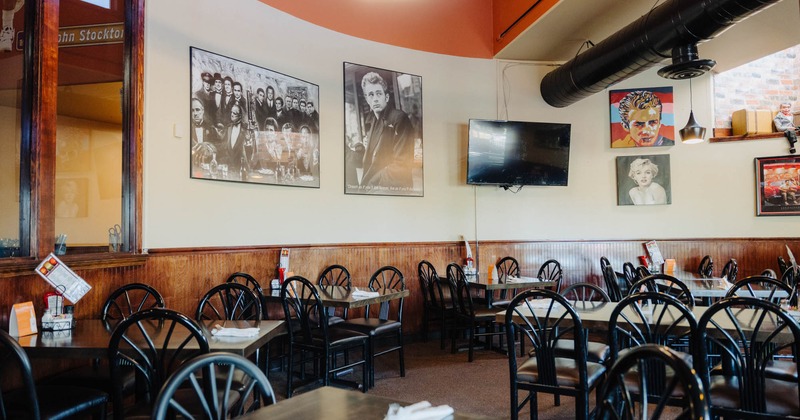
(634,190)
(383,132)
(237,131)
(777,181)
(646,118)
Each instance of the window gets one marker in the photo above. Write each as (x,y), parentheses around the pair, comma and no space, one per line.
(81,129)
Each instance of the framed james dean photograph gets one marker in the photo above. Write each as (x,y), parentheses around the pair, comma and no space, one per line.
(383,132)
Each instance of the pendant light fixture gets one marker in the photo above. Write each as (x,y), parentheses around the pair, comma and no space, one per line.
(693,133)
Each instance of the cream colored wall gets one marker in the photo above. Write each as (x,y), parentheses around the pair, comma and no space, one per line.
(713,184)
(179,211)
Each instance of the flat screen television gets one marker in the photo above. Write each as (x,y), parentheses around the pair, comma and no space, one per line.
(509,153)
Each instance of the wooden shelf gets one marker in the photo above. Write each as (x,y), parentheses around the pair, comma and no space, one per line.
(12,267)
(746,137)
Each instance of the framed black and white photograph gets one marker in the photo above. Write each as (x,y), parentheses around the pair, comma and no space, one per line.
(643,180)
(250,124)
(383,132)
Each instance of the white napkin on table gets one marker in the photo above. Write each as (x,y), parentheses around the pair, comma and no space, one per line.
(234,332)
(512,279)
(422,410)
(364,294)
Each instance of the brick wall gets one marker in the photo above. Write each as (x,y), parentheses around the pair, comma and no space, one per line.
(760,84)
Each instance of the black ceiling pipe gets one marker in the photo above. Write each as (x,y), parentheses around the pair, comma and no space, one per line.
(644,43)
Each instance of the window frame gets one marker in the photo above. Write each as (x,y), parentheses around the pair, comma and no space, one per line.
(38,145)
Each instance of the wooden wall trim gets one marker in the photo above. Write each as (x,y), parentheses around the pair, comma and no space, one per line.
(182,275)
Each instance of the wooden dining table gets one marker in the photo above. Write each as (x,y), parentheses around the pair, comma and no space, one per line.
(329,403)
(89,338)
(505,283)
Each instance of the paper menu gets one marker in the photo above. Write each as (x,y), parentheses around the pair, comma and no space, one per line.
(655,254)
(22,321)
(62,278)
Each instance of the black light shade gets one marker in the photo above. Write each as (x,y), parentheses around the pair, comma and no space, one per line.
(693,133)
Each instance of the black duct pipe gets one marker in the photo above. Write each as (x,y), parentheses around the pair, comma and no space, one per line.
(646,42)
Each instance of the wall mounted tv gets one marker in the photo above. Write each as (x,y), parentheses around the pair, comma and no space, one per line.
(509,153)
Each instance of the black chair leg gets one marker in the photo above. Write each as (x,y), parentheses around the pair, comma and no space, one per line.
(402,354)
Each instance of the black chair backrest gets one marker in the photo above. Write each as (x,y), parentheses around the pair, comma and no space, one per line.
(756,332)
(604,262)
(615,400)
(730,270)
(14,359)
(427,275)
(155,342)
(585,295)
(790,276)
(229,301)
(507,266)
(706,268)
(782,265)
(388,277)
(629,270)
(303,308)
(129,299)
(668,285)
(464,304)
(768,272)
(649,317)
(245,389)
(551,270)
(612,287)
(547,330)
(771,289)
(335,275)
(642,272)
(254,285)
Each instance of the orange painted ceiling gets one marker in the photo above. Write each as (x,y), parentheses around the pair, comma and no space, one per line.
(467,28)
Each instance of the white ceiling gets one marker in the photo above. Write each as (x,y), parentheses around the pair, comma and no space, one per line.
(559,33)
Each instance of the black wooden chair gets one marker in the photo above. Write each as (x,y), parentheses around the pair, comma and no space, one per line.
(612,284)
(385,323)
(628,376)
(46,401)
(730,270)
(335,275)
(749,334)
(229,301)
(551,270)
(664,283)
(189,395)
(279,342)
(432,311)
(312,335)
(706,268)
(585,295)
(129,299)
(629,270)
(651,318)
(155,342)
(542,370)
(474,319)
(120,304)
(770,289)
(252,284)
(507,266)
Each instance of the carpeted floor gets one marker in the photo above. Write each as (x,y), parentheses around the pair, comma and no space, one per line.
(435,375)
